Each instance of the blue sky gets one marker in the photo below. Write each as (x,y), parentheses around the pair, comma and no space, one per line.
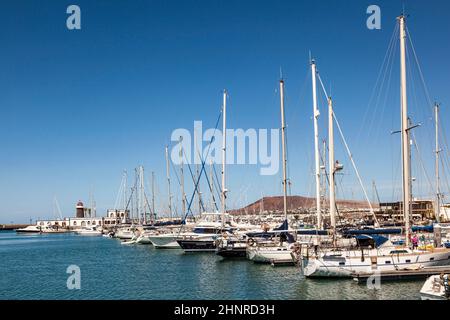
(79,107)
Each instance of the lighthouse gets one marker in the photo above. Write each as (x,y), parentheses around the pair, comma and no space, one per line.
(80,210)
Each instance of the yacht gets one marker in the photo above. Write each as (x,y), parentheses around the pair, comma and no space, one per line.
(373,253)
(436,287)
(125,232)
(143,234)
(203,237)
(165,240)
(30,229)
(89,231)
(232,246)
(166,237)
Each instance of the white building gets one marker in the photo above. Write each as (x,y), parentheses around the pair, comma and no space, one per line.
(84,218)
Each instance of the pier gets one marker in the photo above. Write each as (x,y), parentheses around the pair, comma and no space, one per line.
(283,262)
(5,227)
(401,274)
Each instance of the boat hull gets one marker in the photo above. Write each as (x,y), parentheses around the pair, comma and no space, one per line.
(268,255)
(197,245)
(165,242)
(433,289)
(347,266)
(232,252)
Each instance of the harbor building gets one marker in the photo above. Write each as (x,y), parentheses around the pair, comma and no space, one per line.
(420,209)
(85,217)
(82,211)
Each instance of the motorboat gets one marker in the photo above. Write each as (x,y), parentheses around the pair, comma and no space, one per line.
(30,229)
(204,235)
(125,232)
(89,231)
(436,287)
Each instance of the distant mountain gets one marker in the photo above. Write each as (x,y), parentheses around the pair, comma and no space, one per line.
(297,203)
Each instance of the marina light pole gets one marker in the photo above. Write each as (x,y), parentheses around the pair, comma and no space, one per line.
(224,154)
(331,166)
(406,174)
(316,114)
(283,148)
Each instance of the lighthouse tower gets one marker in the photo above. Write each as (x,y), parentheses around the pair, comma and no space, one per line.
(80,210)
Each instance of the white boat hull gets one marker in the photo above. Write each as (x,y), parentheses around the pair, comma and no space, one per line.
(143,239)
(91,234)
(346,266)
(164,241)
(268,255)
(433,289)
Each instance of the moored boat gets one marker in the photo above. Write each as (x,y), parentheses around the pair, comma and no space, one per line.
(436,287)
(30,229)
(89,231)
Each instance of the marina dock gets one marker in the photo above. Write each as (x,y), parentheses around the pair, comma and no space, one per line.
(12,226)
(405,274)
(280,263)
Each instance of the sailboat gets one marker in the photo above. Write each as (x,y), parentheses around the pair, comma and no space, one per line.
(278,249)
(375,253)
(203,237)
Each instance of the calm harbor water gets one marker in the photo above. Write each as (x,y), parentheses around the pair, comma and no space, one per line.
(34,267)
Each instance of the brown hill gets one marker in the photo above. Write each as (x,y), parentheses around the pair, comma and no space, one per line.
(294,203)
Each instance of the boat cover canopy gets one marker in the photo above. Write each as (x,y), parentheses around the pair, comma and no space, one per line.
(377,239)
(422,228)
(373,231)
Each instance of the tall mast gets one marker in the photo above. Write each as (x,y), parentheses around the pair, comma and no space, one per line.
(153,195)
(125,191)
(91,202)
(211,185)
(316,114)
(283,147)
(183,197)
(331,165)
(406,174)
(136,193)
(324,172)
(199,193)
(224,154)
(168,183)
(142,194)
(438,189)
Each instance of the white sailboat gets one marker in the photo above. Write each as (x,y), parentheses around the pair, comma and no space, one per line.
(377,254)
(268,251)
(205,234)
